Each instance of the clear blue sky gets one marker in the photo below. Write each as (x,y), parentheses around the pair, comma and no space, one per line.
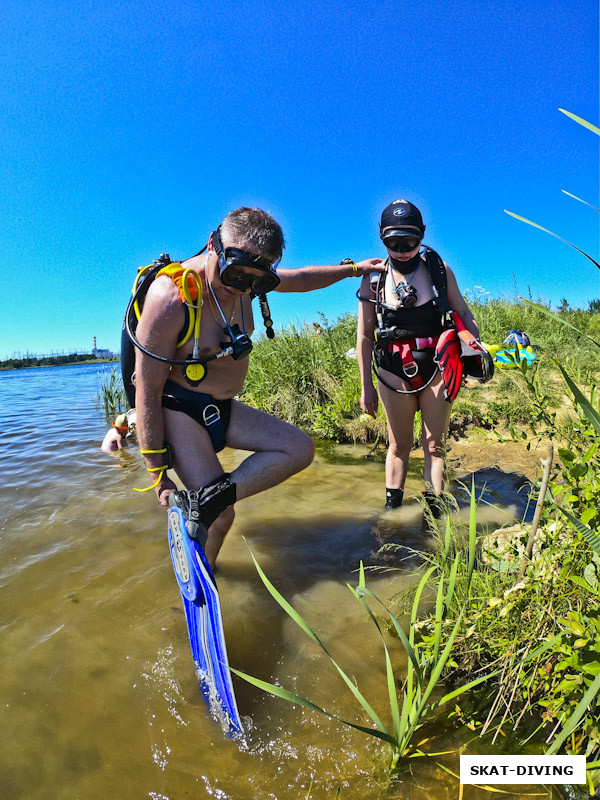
(128,129)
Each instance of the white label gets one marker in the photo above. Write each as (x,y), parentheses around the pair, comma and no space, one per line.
(522,769)
(180,561)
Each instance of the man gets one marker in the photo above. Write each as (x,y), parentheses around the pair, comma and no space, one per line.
(192,407)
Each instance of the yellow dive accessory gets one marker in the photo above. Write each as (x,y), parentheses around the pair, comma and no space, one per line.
(189,285)
(161,470)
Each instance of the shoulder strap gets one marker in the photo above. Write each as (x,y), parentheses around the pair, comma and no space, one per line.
(439,279)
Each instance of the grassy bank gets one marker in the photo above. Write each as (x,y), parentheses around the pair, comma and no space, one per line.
(306,376)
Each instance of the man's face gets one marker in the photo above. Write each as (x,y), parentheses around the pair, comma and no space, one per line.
(234,270)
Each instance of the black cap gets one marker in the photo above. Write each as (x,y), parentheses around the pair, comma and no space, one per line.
(401,213)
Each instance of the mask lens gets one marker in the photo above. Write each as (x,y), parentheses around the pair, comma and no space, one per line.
(401,244)
(237,279)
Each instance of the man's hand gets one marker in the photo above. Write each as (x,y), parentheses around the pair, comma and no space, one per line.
(163,489)
(370,265)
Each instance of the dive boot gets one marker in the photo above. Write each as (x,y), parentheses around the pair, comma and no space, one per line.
(201,508)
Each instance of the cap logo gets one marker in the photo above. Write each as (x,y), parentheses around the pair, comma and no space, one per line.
(400,212)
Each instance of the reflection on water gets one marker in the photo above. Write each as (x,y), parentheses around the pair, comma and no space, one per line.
(97,686)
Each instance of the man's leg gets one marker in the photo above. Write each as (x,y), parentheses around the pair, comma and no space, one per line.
(197,465)
(279,449)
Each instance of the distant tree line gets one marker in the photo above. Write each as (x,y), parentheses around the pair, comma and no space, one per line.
(46,361)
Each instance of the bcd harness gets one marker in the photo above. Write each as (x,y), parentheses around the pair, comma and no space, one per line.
(448,356)
(189,284)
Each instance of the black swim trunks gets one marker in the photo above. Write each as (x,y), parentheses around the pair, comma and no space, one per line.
(212,414)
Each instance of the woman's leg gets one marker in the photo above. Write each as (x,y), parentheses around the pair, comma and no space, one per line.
(400,412)
(435,416)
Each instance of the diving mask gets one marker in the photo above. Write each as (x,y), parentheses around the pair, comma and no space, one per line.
(234,263)
(399,241)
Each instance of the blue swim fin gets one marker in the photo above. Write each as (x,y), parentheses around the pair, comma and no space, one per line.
(205,627)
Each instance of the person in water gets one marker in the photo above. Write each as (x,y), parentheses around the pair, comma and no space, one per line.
(194,409)
(122,429)
(401,316)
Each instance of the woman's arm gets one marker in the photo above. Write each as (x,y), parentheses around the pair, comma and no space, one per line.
(365,336)
(458,304)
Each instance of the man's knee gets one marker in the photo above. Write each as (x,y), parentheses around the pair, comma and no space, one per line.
(302,450)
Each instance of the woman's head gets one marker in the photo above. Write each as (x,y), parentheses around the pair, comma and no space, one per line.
(401,229)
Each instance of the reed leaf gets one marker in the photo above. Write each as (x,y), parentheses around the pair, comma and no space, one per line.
(588,534)
(472,532)
(294,698)
(574,719)
(439,601)
(580,200)
(310,633)
(588,409)
(581,121)
(452,584)
(535,225)
(391,680)
(410,651)
(558,318)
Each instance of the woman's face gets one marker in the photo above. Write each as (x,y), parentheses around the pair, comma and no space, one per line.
(406,256)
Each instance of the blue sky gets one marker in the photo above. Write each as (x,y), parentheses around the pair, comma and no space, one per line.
(128,129)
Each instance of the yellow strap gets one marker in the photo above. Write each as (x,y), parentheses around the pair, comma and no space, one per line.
(354,269)
(161,470)
(164,450)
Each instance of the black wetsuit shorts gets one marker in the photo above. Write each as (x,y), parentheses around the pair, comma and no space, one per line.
(212,414)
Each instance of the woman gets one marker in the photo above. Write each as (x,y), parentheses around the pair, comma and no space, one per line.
(401,316)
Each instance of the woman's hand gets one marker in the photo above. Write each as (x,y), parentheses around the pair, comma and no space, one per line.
(369,400)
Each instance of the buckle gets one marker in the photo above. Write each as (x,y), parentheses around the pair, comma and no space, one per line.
(410,369)
(211,414)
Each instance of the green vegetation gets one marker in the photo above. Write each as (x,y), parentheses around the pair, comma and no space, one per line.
(112,398)
(308,376)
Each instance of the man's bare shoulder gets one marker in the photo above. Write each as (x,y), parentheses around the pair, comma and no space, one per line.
(163,303)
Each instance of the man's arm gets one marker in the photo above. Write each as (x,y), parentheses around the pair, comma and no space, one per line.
(305,279)
(162,319)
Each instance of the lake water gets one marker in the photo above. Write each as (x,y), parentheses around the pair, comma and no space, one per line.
(98,695)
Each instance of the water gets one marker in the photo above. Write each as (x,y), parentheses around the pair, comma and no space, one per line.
(97,687)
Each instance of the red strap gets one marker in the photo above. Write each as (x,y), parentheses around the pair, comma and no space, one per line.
(411,370)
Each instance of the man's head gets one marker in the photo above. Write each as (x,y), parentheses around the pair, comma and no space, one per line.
(254,230)
(248,246)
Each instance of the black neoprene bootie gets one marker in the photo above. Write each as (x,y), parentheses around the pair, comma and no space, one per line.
(393,498)
(201,508)
(435,503)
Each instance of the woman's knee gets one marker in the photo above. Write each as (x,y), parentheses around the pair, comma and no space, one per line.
(434,448)
(400,449)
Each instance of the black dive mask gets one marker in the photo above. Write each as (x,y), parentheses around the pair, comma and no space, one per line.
(399,241)
(232,264)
